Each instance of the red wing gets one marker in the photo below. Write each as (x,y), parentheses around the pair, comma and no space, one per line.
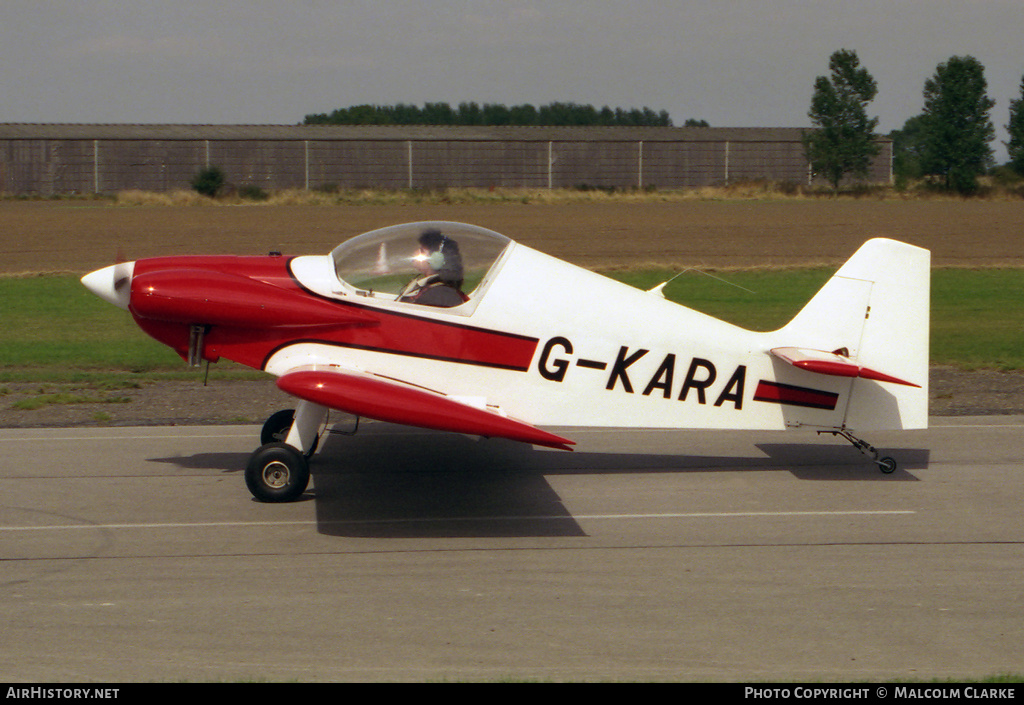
(395,401)
(832,364)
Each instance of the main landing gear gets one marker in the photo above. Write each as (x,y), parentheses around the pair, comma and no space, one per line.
(887,464)
(278,471)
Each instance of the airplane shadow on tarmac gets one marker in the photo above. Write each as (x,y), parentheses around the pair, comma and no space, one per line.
(394,482)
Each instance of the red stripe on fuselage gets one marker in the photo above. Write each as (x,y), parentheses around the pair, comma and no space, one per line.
(776,393)
(392,332)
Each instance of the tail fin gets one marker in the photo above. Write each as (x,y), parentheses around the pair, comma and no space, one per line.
(874,315)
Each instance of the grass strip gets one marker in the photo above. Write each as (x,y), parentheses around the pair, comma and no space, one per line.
(52,329)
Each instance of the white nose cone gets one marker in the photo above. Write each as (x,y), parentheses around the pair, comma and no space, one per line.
(112,284)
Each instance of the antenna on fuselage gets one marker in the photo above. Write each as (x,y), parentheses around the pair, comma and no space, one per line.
(660,289)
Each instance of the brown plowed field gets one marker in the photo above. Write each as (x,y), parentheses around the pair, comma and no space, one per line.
(79,236)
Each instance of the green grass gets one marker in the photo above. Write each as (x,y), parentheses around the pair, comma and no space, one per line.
(52,329)
(55,322)
(978,318)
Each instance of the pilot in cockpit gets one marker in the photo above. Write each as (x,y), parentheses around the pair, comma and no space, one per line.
(440,266)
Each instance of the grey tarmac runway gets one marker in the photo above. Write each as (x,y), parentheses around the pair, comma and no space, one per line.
(137,554)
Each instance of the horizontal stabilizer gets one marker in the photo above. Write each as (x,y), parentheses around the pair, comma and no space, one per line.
(832,363)
(395,401)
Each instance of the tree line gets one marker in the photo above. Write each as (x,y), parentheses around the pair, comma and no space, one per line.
(948,142)
(552,114)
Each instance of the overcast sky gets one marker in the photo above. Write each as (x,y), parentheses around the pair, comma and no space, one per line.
(734,63)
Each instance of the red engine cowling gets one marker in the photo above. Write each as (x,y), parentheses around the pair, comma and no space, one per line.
(205,297)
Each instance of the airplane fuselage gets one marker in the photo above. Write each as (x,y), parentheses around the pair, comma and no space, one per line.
(548,341)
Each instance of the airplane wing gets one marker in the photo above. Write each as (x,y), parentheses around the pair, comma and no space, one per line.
(832,363)
(394,401)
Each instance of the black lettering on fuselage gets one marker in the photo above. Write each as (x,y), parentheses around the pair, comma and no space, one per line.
(734,389)
(619,368)
(556,371)
(556,358)
(662,379)
(701,385)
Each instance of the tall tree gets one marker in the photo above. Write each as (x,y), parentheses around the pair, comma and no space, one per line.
(844,142)
(907,148)
(957,127)
(1015,146)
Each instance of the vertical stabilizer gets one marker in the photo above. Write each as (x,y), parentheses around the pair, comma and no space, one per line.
(875,312)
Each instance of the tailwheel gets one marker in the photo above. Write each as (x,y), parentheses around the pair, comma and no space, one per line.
(277,472)
(277,426)
(887,464)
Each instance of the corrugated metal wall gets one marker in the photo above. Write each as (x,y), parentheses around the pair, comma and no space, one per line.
(74,165)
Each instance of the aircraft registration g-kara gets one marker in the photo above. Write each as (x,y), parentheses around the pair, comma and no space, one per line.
(454,327)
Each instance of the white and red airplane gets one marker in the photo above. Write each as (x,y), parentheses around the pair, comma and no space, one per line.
(454,327)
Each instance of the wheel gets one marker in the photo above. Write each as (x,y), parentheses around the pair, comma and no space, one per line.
(277,473)
(887,465)
(277,426)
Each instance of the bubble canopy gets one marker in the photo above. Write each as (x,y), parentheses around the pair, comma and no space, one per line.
(382,263)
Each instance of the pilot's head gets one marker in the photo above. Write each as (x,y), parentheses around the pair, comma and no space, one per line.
(439,254)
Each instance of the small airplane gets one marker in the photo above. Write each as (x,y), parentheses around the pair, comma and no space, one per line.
(454,327)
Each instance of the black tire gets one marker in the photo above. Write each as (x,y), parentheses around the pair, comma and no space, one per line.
(277,426)
(887,465)
(277,473)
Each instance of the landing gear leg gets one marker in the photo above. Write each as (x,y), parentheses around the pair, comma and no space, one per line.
(305,431)
(279,425)
(887,464)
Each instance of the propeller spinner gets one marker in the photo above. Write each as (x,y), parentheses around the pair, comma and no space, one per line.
(112,284)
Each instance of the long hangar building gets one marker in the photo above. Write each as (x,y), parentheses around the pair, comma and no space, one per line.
(49,159)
